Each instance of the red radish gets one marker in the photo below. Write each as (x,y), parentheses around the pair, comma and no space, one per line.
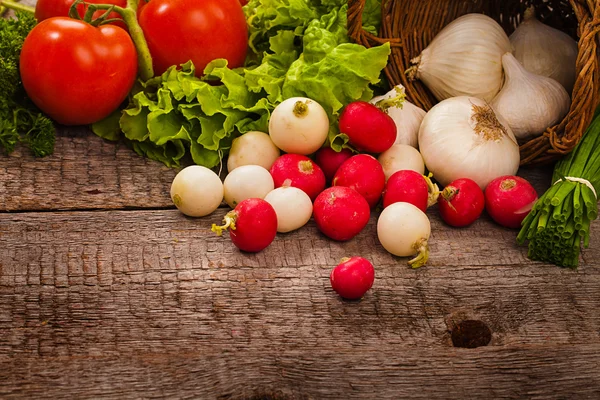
(330,160)
(252,225)
(508,200)
(352,277)
(368,128)
(461,202)
(364,174)
(411,187)
(301,171)
(340,213)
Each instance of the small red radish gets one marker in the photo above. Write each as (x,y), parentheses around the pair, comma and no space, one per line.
(461,202)
(411,187)
(508,200)
(369,129)
(352,277)
(340,213)
(364,174)
(252,225)
(299,125)
(301,171)
(404,230)
(330,160)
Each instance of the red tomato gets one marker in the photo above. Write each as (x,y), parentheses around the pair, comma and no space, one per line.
(199,30)
(45,9)
(77,73)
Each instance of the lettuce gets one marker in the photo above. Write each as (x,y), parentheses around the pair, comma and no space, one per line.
(297,48)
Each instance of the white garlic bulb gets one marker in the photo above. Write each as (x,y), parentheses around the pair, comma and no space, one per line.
(407,117)
(528,102)
(464,59)
(545,51)
(462,137)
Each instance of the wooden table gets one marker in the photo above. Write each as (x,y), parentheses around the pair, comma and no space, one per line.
(107,291)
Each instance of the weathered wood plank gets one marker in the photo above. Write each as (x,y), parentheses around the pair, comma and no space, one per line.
(152,304)
(365,372)
(85,172)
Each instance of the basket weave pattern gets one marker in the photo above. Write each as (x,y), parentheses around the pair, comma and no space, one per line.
(410,25)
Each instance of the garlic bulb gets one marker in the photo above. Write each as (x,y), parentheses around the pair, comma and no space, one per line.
(462,137)
(407,117)
(464,59)
(545,51)
(528,102)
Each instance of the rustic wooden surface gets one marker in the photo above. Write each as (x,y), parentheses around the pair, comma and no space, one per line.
(107,291)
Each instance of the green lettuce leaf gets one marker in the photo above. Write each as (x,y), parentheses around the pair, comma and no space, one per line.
(298,48)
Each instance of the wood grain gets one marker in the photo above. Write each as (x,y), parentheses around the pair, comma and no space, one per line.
(85,172)
(150,303)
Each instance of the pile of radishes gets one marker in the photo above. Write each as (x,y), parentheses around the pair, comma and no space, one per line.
(278,180)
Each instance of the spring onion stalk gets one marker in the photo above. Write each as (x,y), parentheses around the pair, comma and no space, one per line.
(559,222)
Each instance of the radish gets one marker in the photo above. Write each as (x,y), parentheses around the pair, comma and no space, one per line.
(461,202)
(196,191)
(404,230)
(369,129)
(508,200)
(330,160)
(246,182)
(299,125)
(301,171)
(252,148)
(252,225)
(364,174)
(340,213)
(399,157)
(292,206)
(411,187)
(352,277)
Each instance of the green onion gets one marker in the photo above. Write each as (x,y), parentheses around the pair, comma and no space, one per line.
(559,222)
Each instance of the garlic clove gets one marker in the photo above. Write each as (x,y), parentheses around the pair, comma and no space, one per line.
(464,59)
(407,116)
(529,103)
(545,51)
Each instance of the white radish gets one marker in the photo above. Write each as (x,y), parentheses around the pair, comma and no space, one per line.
(299,125)
(245,182)
(197,191)
(292,206)
(252,148)
(401,157)
(403,230)
(407,116)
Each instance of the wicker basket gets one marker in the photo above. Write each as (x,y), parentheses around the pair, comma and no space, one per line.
(409,26)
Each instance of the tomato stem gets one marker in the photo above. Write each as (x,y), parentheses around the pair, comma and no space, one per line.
(129,15)
(13,5)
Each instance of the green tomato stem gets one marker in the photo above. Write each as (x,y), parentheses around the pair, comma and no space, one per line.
(129,15)
(13,5)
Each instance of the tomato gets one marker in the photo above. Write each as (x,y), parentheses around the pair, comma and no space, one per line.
(199,30)
(45,9)
(75,72)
